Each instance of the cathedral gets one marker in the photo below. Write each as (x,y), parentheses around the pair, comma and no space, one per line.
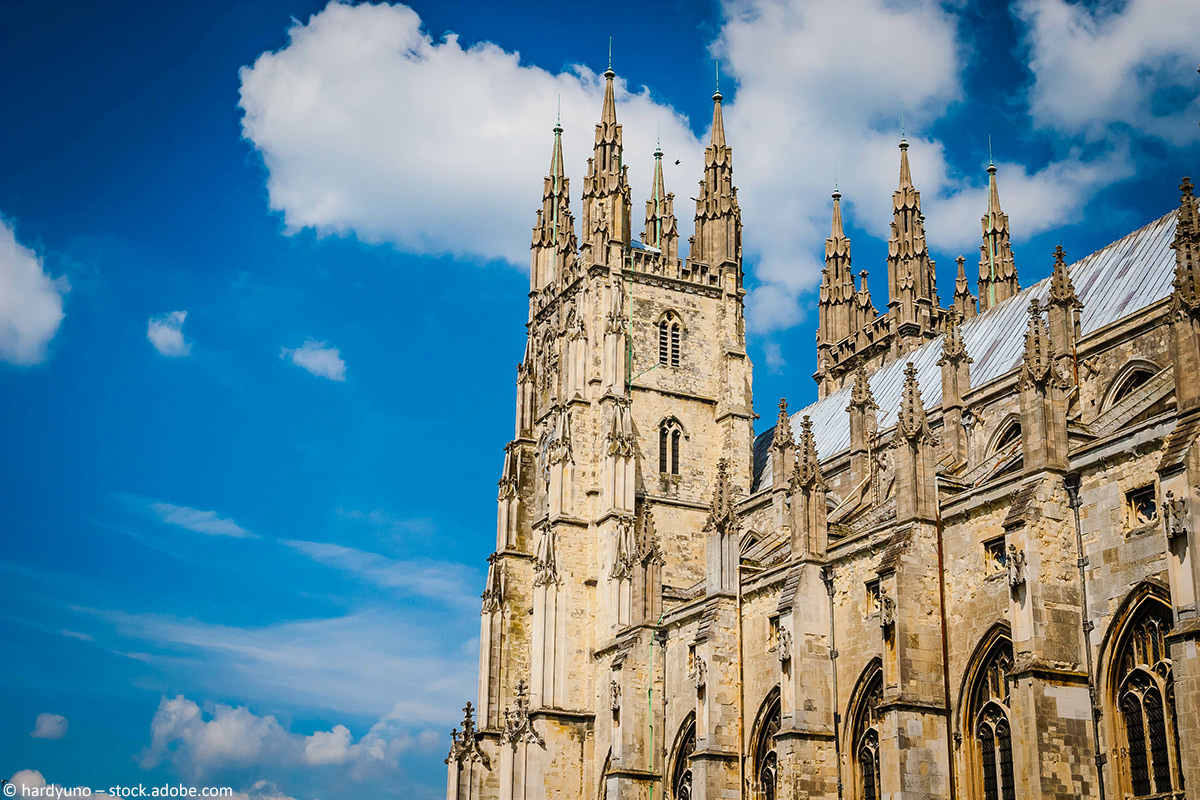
(968,570)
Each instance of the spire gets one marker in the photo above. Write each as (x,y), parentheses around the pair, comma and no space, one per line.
(608,115)
(997,272)
(661,230)
(912,281)
(606,195)
(838,317)
(716,241)
(964,301)
(905,171)
(718,123)
(554,242)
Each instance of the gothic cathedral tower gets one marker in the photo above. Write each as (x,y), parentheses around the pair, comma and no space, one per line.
(633,401)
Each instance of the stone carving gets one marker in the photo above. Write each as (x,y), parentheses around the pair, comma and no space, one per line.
(614,695)
(698,672)
(784,647)
(493,595)
(626,555)
(1016,566)
(887,614)
(464,746)
(1174,516)
(545,568)
(518,725)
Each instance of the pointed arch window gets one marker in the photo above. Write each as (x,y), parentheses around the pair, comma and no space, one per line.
(765,765)
(1144,694)
(1009,434)
(681,764)
(864,733)
(670,434)
(989,722)
(670,335)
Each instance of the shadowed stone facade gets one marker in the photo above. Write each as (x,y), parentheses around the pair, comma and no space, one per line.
(969,570)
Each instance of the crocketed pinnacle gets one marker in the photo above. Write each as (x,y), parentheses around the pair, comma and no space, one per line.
(912,423)
(860,395)
(783,428)
(1062,291)
(808,464)
(997,271)
(1186,245)
(953,349)
(555,224)
(964,301)
(1039,360)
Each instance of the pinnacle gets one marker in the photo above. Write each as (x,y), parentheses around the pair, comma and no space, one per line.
(905,171)
(836,231)
(718,123)
(608,116)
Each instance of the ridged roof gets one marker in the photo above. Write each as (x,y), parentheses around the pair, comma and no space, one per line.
(1127,275)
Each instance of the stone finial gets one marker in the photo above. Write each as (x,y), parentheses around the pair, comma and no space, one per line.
(1186,245)
(649,549)
(722,515)
(1062,291)
(1038,363)
(808,464)
(866,308)
(953,349)
(464,745)
(518,724)
(964,301)
(860,395)
(912,423)
(783,428)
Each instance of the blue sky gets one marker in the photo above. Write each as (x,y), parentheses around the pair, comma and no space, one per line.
(262,281)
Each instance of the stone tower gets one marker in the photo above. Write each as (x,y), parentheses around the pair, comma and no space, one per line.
(633,407)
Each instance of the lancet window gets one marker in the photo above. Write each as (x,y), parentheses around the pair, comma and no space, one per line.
(989,723)
(865,734)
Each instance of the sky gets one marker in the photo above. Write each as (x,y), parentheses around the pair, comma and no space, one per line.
(263,269)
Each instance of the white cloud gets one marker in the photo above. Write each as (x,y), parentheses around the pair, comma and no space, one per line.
(322,361)
(27,781)
(31,304)
(192,519)
(201,743)
(441,580)
(1096,65)
(165,332)
(369,126)
(49,726)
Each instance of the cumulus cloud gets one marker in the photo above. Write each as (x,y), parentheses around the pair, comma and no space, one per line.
(1104,64)
(49,726)
(368,125)
(220,740)
(207,522)
(31,302)
(316,358)
(165,332)
(29,781)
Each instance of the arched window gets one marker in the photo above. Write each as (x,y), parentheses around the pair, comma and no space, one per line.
(1133,376)
(864,733)
(765,765)
(681,765)
(1142,690)
(988,721)
(670,432)
(670,332)
(1009,432)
